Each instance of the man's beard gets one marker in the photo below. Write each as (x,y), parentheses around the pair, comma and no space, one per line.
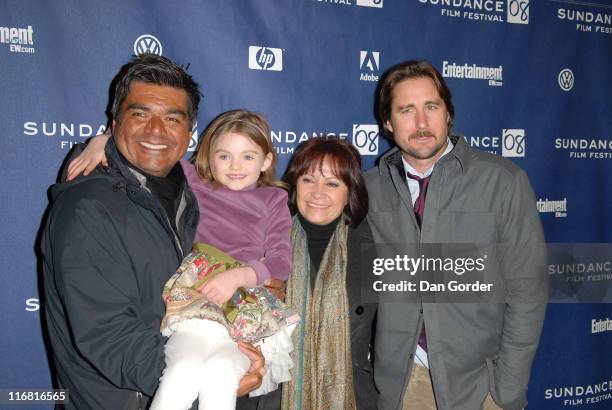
(420,154)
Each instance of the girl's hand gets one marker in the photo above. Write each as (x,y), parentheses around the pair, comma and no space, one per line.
(221,288)
(89,159)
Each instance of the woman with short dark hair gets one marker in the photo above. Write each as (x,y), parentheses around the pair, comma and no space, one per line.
(332,367)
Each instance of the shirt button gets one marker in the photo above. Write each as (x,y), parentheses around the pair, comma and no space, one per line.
(359,310)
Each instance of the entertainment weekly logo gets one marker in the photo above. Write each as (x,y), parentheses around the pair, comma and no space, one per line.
(493,11)
(510,144)
(601,325)
(556,207)
(363,3)
(18,39)
(586,17)
(493,75)
(68,134)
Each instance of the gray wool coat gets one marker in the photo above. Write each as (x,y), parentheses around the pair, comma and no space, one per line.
(473,348)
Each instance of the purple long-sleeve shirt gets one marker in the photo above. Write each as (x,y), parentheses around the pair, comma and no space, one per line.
(247,224)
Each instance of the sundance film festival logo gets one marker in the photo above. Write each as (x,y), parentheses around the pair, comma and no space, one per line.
(566,79)
(19,39)
(370,3)
(147,44)
(585,148)
(596,20)
(363,3)
(494,11)
(265,58)
(518,11)
(513,142)
(285,141)
(369,65)
(32,305)
(68,134)
(580,395)
(365,138)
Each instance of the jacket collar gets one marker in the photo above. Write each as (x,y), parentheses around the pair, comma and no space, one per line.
(460,152)
(119,165)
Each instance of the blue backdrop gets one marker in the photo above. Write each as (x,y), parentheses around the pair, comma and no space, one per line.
(531,81)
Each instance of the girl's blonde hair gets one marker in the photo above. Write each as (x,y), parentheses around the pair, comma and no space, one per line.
(250,124)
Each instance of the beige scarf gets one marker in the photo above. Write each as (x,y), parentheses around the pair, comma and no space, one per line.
(322,377)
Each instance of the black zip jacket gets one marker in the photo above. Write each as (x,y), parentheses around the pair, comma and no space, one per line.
(108,249)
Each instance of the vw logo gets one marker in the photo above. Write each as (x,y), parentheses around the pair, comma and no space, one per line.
(147,44)
(193,142)
(566,79)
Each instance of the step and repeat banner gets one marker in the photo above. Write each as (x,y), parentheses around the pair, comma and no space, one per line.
(530,81)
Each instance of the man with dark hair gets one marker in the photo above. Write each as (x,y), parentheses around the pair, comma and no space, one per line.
(113,239)
(433,188)
(165,73)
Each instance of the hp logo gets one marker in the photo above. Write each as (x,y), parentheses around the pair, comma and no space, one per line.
(265,58)
(147,44)
(566,79)
(365,138)
(518,11)
(513,143)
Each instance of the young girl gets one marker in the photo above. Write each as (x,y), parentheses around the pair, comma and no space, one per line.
(244,213)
